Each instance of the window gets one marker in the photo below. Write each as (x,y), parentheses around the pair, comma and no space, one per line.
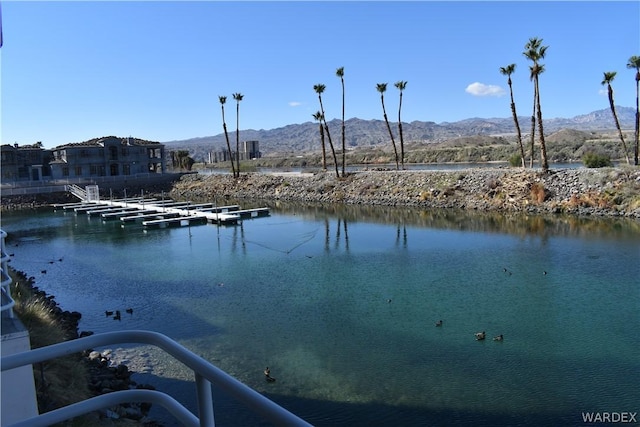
(78,170)
(126,170)
(65,171)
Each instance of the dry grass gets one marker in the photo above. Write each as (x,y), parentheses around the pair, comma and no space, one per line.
(538,193)
(62,381)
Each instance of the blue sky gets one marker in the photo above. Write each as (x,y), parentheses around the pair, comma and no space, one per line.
(72,71)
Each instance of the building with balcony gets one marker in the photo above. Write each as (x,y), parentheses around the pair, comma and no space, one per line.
(25,163)
(108,156)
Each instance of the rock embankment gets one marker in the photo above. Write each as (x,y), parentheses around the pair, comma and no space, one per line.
(104,376)
(602,192)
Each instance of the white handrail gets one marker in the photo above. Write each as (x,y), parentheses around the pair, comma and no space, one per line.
(203,369)
(104,401)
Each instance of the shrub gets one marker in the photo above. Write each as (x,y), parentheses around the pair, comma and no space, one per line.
(595,160)
(515,160)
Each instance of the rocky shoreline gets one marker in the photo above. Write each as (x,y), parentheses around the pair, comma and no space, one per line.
(613,192)
(104,375)
(607,192)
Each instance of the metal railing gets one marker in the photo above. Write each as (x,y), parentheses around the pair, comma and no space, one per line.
(5,279)
(77,191)
(205,375)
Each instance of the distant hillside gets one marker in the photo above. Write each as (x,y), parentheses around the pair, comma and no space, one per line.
(305,138)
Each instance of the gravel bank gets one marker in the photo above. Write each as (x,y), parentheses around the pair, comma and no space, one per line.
(601,192)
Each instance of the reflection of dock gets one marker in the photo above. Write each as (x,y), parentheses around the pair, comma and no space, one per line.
(165,213)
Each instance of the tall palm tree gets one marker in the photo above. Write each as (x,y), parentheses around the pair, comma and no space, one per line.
(223,100)
(382,88)
(319,89)
(318,117)
(634,62)
(340,73)
(401,85)
(607,79)
(507,71)
(534,51)
(238,97)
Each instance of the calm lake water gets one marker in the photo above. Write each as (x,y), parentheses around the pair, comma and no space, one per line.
(341,304)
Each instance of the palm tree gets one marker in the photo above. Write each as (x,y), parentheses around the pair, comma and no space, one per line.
(534,51)
(607,79)
(382,88)
(238,97)
(319,89)
(318,117)
(401,85)
(634,62)
(507,71)
(223,100)
(340,73)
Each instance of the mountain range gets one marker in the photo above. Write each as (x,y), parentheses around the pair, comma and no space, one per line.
(305,137)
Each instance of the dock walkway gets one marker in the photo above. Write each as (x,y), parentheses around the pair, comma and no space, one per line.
(165,213)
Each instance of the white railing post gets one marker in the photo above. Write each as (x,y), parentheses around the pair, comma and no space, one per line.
(205,402)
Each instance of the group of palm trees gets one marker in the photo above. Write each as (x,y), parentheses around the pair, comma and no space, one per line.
(235,169)
(633,63)
(324,128)
(382,88)
(535,52)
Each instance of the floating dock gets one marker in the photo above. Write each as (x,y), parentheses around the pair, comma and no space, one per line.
(152,213)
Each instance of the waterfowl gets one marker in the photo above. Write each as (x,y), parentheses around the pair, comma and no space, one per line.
(129,310)
(481,335)
(108,313)
(498,338)
(267,375)
(439,323)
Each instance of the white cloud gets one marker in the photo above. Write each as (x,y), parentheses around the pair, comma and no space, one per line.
(481,89)
(295,104)
(603,92)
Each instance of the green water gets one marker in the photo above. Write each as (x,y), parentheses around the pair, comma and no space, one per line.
(342,305)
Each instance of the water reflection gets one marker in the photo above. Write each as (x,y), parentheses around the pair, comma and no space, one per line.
(329,294)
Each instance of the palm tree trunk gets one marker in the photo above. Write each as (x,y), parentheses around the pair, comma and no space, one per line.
(515,120)
(326,127)
(543,148)
(237,140)
(533,127)
(637,135)
(324,151)
(226,135)
(344,150)
(393,142)
(400,132)
(615,118)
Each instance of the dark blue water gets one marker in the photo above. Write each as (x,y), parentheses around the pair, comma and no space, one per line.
(342,305)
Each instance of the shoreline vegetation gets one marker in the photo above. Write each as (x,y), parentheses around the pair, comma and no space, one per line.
(602,192)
